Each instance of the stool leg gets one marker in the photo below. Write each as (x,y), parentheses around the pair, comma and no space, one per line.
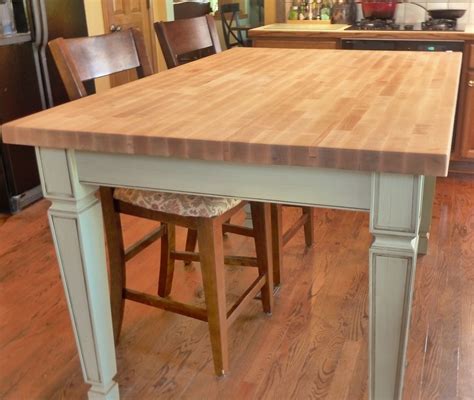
(191,240)
(227,222)
(165,280)
(211,253)
(308,227)
(261,217)
(277,241)
(116,253)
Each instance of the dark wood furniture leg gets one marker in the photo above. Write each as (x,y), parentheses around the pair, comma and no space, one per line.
(167,262)
(261,219)
(277,241)
(191,240)
(280,238)
(211,253)
(116,253)
(308,226)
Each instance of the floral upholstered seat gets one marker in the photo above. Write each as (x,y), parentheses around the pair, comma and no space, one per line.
(178,204)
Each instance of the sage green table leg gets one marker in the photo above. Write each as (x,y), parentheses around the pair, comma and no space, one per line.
(426,214)
(76,224)
(394,223)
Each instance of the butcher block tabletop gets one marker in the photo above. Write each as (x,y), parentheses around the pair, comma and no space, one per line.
(358,110)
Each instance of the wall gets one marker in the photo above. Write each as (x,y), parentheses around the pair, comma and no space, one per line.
(409,13)
(95,26)
(406,13)
(162,11)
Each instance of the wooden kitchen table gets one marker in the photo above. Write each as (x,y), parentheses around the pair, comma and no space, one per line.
(356,130)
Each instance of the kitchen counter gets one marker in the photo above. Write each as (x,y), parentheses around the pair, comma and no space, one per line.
(307,30)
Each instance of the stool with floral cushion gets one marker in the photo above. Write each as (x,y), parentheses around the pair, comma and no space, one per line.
(207,216)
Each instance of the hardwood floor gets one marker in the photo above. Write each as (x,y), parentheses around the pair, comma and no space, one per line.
(3,218)
(314,345)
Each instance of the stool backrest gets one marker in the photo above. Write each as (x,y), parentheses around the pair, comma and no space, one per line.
(186,36)
(191,9)
(82,59)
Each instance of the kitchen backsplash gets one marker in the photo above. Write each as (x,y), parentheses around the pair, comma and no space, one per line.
(411,14)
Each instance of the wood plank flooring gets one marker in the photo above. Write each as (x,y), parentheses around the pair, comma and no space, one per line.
(314,346)
(3,218)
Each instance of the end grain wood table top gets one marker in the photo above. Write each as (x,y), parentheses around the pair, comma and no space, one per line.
(358,110)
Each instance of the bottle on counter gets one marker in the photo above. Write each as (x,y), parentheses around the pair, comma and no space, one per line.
(342,13)
(317,9)
(326,10)
(310,10)
(293,14)
(302,12)
(7,21)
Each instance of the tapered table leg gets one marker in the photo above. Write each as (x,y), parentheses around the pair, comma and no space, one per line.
(76,224)
(426,213)
(394,223)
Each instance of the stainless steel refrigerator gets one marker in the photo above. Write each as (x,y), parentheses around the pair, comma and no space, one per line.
(29,82)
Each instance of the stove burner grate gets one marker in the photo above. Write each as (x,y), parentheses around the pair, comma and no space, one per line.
(439,25)
(380,25)
(390,25)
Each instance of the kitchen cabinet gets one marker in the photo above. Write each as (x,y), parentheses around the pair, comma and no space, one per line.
(470,52)
(462,158)
(467,125)
(465,131)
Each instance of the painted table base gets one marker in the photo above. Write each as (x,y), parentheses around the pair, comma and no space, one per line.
(70,180)
(426,214)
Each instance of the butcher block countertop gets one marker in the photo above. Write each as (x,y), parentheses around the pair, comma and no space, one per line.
(358,110)
(306,30)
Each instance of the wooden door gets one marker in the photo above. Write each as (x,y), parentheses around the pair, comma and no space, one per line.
(123,14)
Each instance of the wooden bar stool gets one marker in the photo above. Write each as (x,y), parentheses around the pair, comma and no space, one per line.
(207,216)
(195,35)
(82,59)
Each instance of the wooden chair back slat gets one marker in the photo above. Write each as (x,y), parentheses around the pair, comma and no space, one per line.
(186,36)
(82,59)
(191,9)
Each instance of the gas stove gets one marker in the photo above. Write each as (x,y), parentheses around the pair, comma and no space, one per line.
(439,25)
(390,25)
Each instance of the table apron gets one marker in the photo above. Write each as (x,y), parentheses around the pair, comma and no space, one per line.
(318,187)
